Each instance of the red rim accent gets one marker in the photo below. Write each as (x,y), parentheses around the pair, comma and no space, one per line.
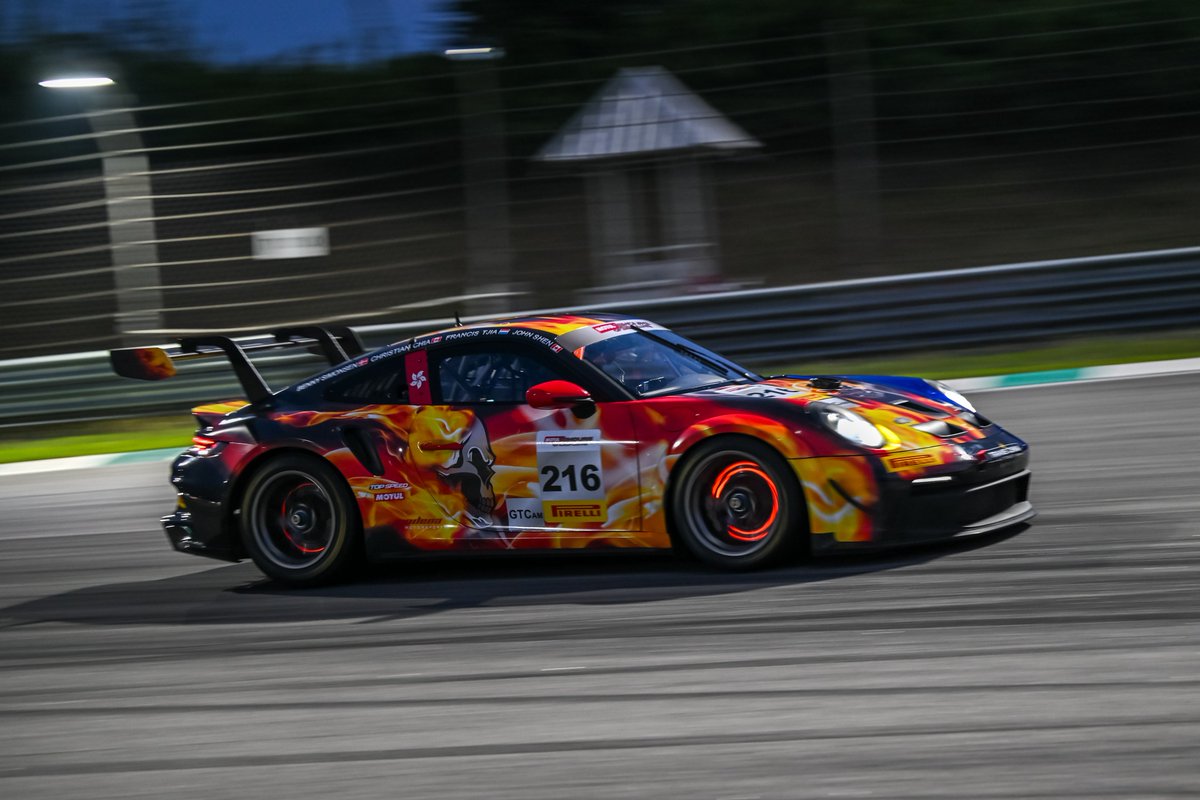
(747,467)
(287,530)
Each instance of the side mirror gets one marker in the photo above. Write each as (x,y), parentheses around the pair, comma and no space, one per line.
(557,394)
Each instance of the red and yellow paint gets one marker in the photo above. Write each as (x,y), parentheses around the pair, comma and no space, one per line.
(427,452)
(468,477)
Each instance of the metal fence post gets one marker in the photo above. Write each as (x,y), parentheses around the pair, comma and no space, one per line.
(489,249)
(130,208)
(128,202)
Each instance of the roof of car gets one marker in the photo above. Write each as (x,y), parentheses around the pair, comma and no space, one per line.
(551,324)
(557,332)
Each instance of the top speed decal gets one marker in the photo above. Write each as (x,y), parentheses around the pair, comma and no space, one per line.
(571,476)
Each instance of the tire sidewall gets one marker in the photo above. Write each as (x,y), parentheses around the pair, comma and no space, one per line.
(789,534)
(345,546)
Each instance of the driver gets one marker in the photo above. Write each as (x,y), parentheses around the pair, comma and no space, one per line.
(633,361)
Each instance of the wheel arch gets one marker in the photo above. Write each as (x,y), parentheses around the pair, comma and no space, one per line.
(732,436)
(237,489)
(771,431)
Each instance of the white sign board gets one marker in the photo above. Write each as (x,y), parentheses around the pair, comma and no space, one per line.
(290,243)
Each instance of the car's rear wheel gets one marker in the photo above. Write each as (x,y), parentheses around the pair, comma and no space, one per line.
(736,505)
(299,522)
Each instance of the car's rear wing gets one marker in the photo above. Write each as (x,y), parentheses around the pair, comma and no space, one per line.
(158,363)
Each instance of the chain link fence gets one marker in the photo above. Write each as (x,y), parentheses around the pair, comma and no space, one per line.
(885,150)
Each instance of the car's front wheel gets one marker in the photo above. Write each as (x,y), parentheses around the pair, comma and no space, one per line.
(299,522)
(736,505)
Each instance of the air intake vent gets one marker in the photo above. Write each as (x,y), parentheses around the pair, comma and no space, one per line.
(920,408)
(939,427)
(359,442)
(976,419)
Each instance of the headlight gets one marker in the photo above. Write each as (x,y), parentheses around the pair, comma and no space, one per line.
(851,426)
(953,395)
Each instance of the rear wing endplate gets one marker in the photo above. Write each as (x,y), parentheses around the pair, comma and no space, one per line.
(158,362)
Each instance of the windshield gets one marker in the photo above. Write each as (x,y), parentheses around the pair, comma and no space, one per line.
(660,362)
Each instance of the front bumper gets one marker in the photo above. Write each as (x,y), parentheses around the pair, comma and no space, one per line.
(919,513)
(982,499)
(979,500)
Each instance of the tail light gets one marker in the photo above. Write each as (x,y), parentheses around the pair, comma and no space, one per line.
(206,445)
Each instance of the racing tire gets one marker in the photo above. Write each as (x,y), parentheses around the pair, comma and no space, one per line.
(736,505)
(299,522)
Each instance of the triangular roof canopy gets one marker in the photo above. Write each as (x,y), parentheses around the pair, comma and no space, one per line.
(642,111)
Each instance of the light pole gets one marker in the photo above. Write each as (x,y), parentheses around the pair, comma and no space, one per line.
(489,248)
(127,201)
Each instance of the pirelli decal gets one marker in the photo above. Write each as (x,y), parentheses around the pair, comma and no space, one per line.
(907,461)
(575,511)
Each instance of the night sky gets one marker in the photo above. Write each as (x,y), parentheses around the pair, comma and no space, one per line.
(264,29)
(231,31)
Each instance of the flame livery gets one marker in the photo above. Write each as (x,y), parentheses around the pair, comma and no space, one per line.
(555,432)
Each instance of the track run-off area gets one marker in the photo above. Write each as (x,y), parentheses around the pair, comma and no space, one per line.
(1060,661)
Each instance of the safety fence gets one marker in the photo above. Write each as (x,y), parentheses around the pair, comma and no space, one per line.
(780,328)
(995,135)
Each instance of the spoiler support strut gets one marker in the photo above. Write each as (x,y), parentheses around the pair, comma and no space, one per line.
(158,363)
(247,374)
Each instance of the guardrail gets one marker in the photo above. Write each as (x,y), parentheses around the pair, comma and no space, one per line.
(782,326)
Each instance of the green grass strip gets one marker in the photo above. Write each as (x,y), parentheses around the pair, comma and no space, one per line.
(95,437)
(1065,355)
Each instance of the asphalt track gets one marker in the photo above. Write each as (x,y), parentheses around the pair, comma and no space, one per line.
(1058,662)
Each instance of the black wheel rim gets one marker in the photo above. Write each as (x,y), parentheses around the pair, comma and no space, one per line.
(293,522)
(734,504)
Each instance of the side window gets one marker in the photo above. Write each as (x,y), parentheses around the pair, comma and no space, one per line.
(489,376)
(383,383)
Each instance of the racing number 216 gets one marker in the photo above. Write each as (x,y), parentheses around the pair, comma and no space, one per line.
(588,478)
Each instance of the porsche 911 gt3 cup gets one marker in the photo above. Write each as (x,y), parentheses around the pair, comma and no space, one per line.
(569,432)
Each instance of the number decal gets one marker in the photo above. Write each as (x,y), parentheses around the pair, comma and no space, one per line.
(770,391)
(589,478)
(759,390)
(550,484)
(572,477)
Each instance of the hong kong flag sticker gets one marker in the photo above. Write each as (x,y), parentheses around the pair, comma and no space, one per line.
(417,366)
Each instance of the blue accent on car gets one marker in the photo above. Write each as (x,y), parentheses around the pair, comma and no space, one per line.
(917,386)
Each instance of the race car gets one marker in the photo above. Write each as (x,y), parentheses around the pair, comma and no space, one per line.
(551,432)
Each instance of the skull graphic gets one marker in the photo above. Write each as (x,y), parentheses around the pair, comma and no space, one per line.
(471,474)
(453,444)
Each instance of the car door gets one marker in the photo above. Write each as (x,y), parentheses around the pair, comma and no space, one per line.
(515,475)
